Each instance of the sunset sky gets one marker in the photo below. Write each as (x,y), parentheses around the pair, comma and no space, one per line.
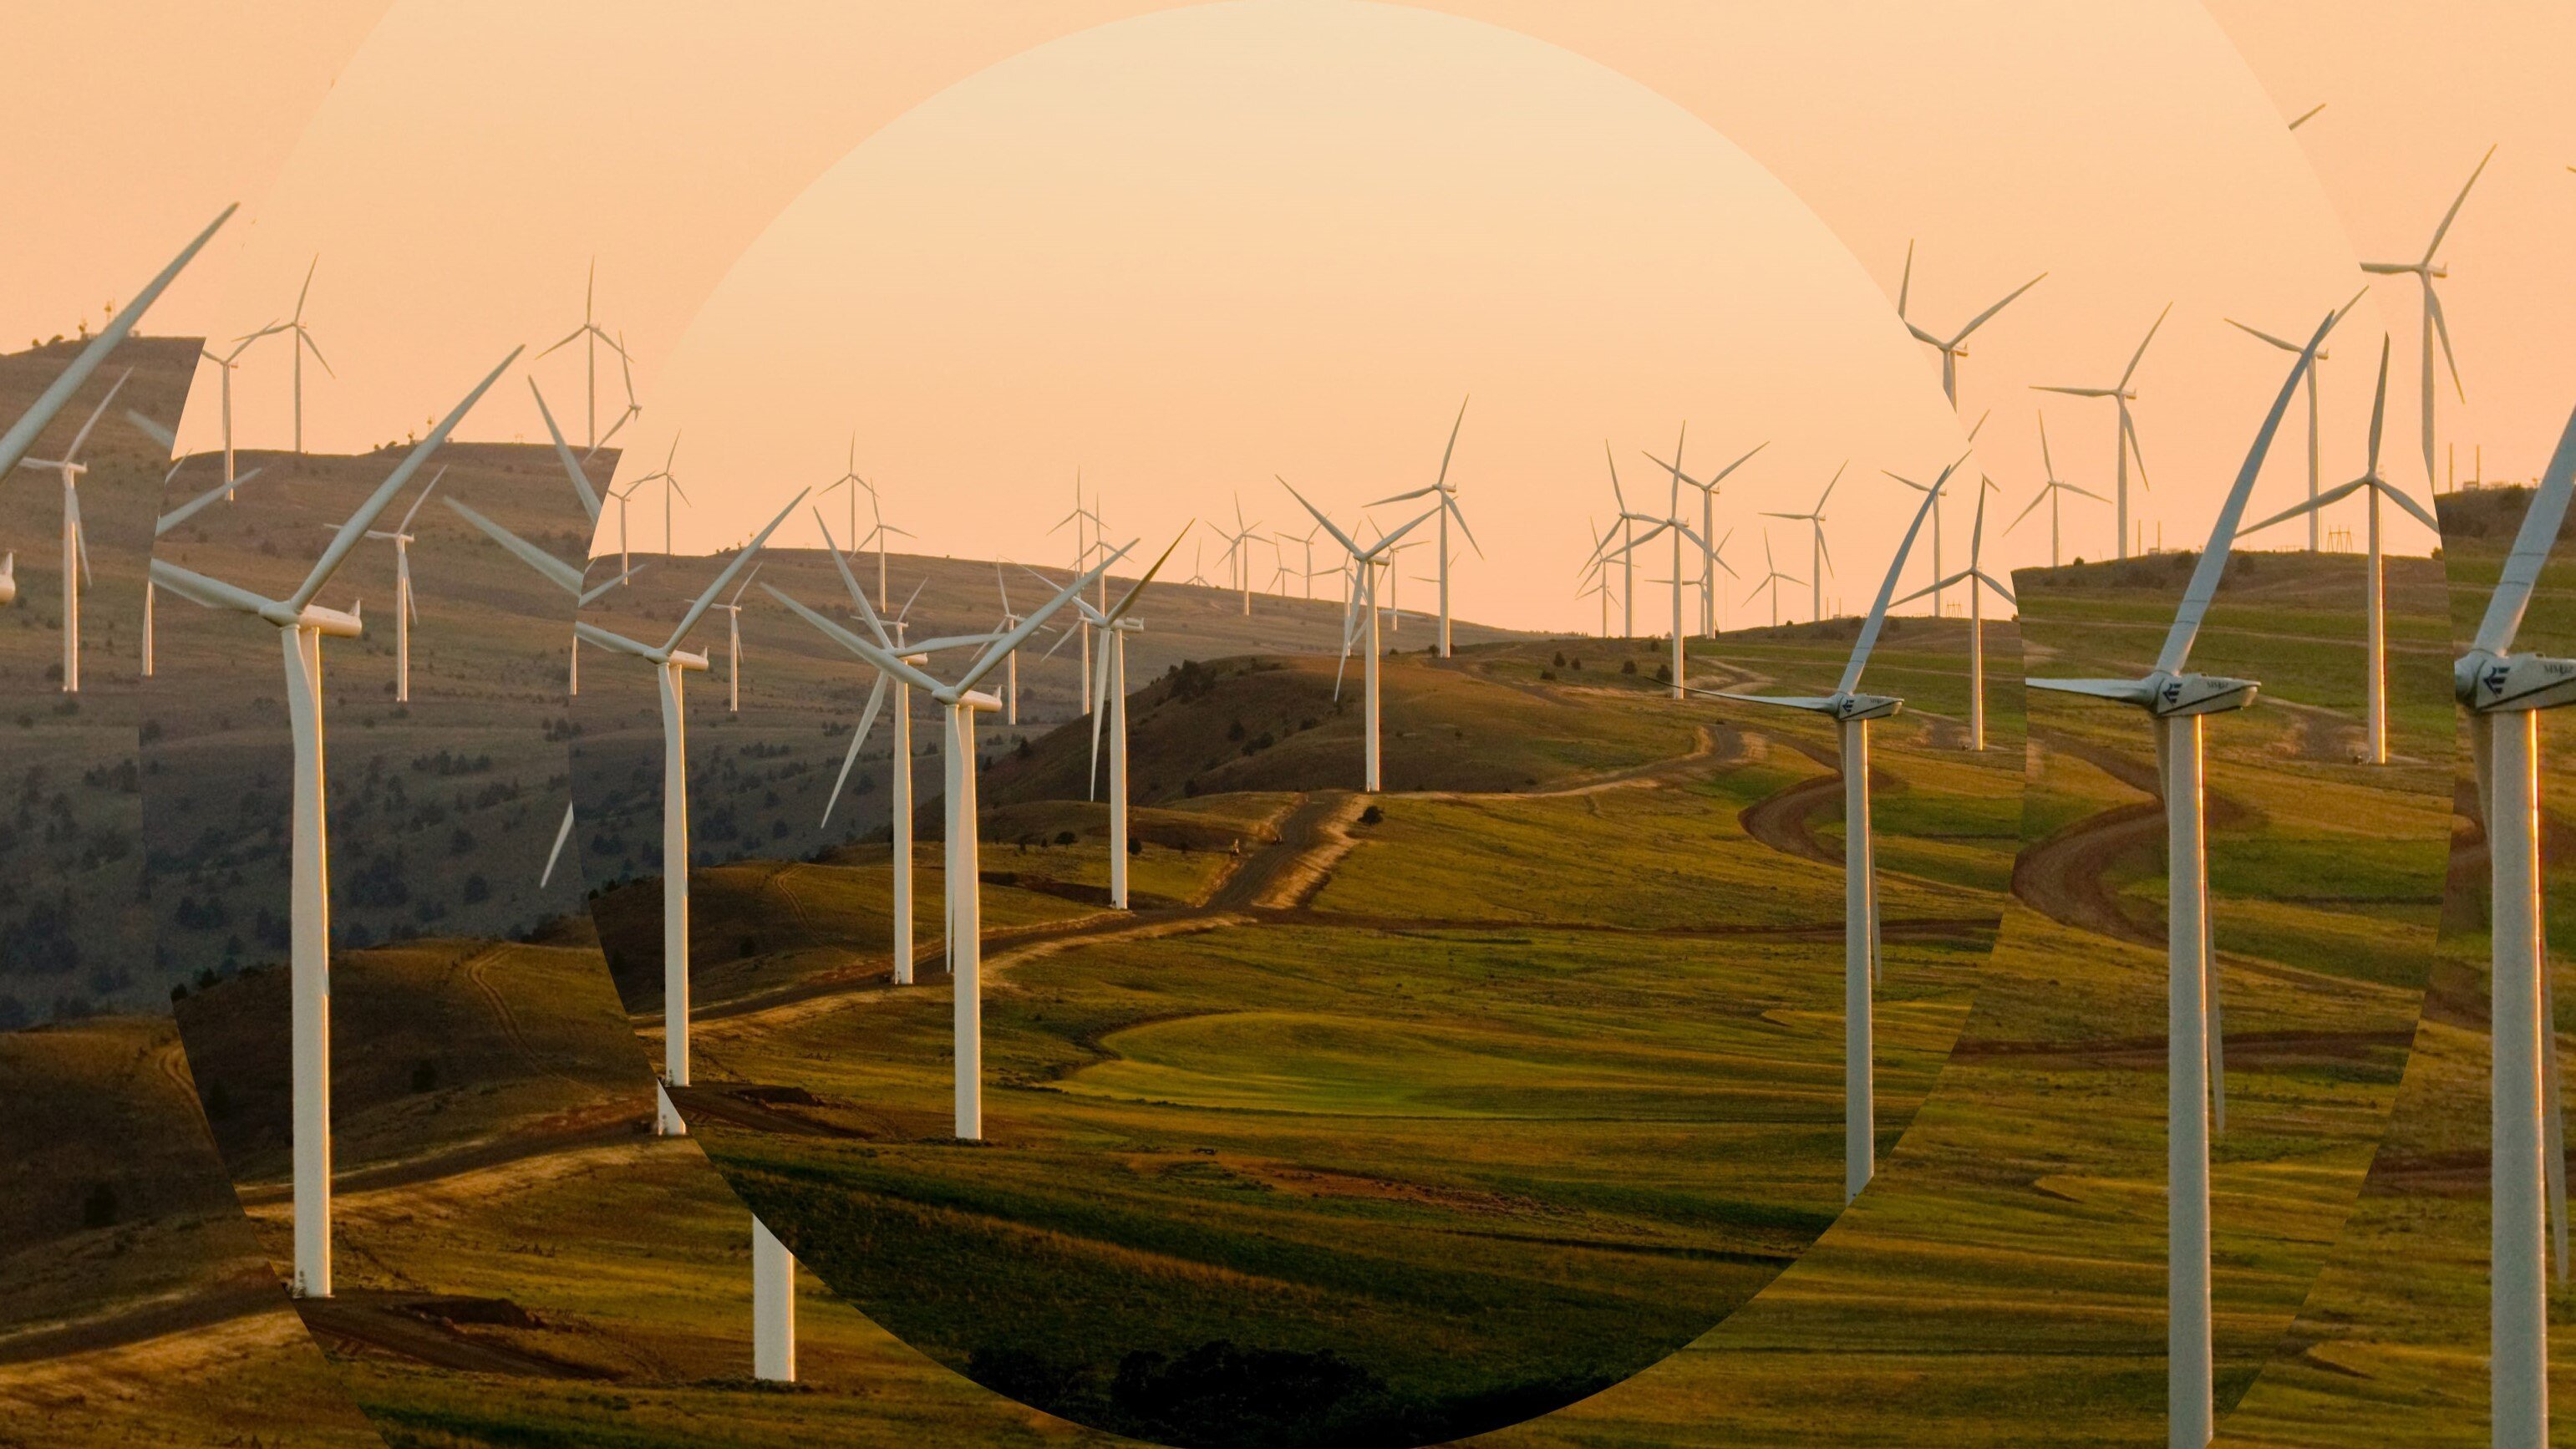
(1186,247)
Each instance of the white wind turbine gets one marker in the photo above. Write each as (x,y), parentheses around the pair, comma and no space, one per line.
(1597,569)
(2374,591)
(564,575)
(1819,559)
(1671,523)
(301,626)
(671,665)
(1852,712)
(960,699)
(2316,517)
(1953,347)
(1447,492)
(852,485)
(2125,445)
(2504,693)
(1363,600)
(2426,271)
(1772,579)
(1626,523)
(590,335)
(2049,493)
(40,414)
(671,488)
(405,609)
(1939,577)
(1010,666)
(899,797)
(1710,563)
(1109,698)
(300,337)
(2176,702)
(1085,523)
(733,643)
(69,468)
(1238,552)
(224,363)
(1973,576)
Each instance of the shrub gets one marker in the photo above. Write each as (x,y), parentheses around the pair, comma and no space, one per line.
(1372,816)
(1627,666)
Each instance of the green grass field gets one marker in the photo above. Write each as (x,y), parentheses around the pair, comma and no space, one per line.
(1538,1081)
(2002,1281)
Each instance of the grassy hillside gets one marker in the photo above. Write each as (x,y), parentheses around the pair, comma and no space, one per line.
(2002,1281)
(1405,1123)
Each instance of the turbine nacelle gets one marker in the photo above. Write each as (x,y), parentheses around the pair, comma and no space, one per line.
(2491,683)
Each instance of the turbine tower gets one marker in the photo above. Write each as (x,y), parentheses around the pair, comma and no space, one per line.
(405,610)
(733,643)
(2505,693)
(69,469)
(301,626)
(1085,523)
(960,699)
(2125,444)
(1626,524)
(2049,494)
(2374,596)
(1238,553)
(2426,270)
(1363,600)
(1447,492)
(671,488)
(1819,560)
(1954,346)
(301,337)
(1709,561)
(2176,702)
(1852,712)
(224,363)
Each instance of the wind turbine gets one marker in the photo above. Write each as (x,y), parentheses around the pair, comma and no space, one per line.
(2049,493)
(301,626)
(851,484)
(1710,563)
(1953,347)
(1447,492)
(733,643)
(1011,665)
(960,699)
(1627,526)
(2316,518)
(2176,702)
(899,813)
(2125,445)
(301,338)
(572,580)
(40,414)
(670,482)
(224,363)
(1852,712)
(69,468)
(1772,579)
(1820,560)
(1238,553)
(1081,518)
(2426,270)
(671,665)
(1597,569)
(590,335)
(405,610)
(1363,599)
(1973,576)
(1109,698)
(1671,523)
(2374,592)
(2505,693)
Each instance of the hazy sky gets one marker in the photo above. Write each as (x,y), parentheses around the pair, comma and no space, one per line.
(1545,204)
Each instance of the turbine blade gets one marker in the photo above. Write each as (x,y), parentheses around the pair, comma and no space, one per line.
(198,589)
(414,511)
(1886,590)
(161,437)
(1981,318)
(2453,214)
(563,833)
(2442,330)
(81,438)
(2531,546)
(705,601)
(2135,357)
(885,662)
(2379,405)
(365,518)
(581,485)
(563,575)
(22,433)
(994,652)
(2222,536)
(858,737)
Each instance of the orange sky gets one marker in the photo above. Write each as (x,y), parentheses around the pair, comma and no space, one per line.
(457,164)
